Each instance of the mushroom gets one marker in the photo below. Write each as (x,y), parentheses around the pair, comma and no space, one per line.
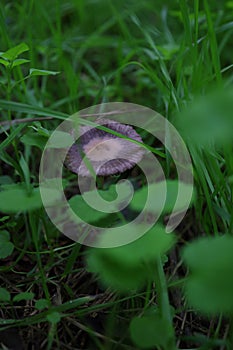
(107,153)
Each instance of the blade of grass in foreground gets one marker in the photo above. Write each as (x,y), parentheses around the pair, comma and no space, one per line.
(28,109)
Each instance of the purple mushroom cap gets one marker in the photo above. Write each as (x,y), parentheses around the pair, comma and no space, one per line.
(107,153)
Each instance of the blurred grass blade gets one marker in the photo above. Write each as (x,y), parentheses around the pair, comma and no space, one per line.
(28,109)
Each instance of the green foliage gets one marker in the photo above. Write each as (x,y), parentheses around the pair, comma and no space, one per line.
(130,266)
(86,211)
(60,139)
(10,56)
(34,71)
(34,139)
(54,317)
(23,296)
(6,247)
(19,61)
(212,112)
(158,194)
(150,330)
(16,198)
(209,286)
(166,57)
(9,59)
(42,304)
(4,295)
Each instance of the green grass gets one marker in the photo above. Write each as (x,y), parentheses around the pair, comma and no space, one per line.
(171,56)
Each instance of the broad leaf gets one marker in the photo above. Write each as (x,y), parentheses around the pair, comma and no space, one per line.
(23,296)
(14,52)
(167,189)
(60,139)
(53,317)
(42,304)
(15,198)
(86,212)
(6,247)
(4,62)
(130,266)
(4,295)
(19,61)
(34,139)
(209,286)
(151,331)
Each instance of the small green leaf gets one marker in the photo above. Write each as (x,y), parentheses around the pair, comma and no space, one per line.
(23,296)
(87,212)
(42,304)
(40,130)
(34,139)
(4,295)
(19,61)
(4,62)
(150,331)
(84,211)
(44,132)
(4,236)
(4,218)
(14,52)
(6,247)
(60,139)
(34,71)
(54,317)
